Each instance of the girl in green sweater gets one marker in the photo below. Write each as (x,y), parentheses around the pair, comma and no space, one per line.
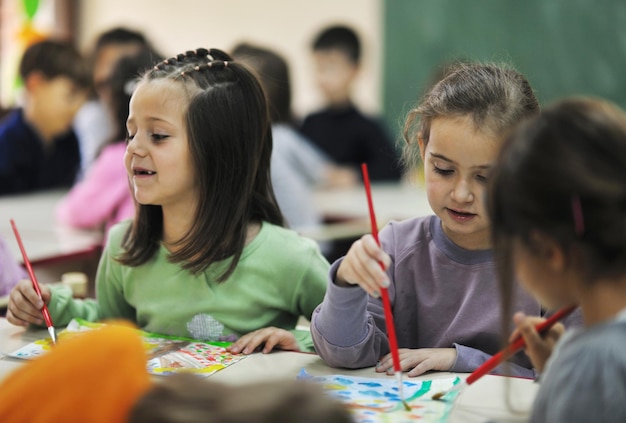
(207,255)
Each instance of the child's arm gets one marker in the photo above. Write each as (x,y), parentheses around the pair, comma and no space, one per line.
(346,331)
(303,291)
(25,305)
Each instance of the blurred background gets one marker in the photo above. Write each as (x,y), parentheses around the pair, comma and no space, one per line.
(565,47)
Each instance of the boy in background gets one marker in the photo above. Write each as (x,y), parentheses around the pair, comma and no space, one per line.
(38,150)
(345,134)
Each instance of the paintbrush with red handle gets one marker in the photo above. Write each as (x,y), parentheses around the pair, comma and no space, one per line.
(31,273)
(507,352)
(391,330)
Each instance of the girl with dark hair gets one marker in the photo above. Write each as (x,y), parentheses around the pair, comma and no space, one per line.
(558,209)
(206,256)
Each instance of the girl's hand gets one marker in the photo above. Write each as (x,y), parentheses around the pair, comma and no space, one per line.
(419,361)
(538,347)
(361,266)
(271,337)
(25,305)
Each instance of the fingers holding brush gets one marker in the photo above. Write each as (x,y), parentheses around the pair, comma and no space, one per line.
(25,305)
(362,266)
(538,347)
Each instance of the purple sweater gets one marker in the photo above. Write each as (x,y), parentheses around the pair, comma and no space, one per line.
(442,296)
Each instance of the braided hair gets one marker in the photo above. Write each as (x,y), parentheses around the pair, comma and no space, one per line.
(230,143)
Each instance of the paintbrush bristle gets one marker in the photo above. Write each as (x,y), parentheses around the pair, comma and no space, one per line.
(439,395)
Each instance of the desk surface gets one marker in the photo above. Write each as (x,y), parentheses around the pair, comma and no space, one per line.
(347,211)
(481,402)
(391,201)
(44,239)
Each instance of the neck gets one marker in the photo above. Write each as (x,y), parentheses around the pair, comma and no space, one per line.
(177,222)
(603,300)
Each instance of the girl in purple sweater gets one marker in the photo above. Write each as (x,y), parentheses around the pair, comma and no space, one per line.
(440,269)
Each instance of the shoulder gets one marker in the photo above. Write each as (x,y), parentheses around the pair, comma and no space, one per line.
(408,231)
(116,235)
(592,358)
(288,239)
(13,124)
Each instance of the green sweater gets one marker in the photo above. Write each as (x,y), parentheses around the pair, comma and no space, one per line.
(279,277)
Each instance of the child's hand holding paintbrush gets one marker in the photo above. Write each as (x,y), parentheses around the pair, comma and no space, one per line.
(27,302)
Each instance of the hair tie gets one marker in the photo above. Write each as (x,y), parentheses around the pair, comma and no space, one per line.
(577,212)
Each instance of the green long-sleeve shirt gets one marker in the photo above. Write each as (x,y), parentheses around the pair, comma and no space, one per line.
(279,277)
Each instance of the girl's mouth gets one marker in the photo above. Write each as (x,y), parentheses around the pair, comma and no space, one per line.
(142,172)
(460,216)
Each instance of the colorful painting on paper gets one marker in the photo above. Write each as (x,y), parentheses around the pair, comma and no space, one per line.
(167,355)
(373,400)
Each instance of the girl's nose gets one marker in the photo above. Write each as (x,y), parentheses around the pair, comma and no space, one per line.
(135,147)
(462,192)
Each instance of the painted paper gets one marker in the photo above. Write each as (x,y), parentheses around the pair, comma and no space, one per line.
(166,355)
(373,400)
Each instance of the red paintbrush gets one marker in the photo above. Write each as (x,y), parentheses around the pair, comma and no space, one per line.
(29,268)
(507,352)
(391,330)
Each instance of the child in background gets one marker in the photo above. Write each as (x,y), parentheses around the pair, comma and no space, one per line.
(103,197)
(558,209)
(112,361)
(340,130)
(297,166)
(92,124)
(440,270)
(206,256)
(10,271)
(38,150)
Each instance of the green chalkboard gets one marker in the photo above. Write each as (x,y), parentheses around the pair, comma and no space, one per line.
(564,47)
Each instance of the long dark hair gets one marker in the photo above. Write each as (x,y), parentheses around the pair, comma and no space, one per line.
(230,141)
(561,174)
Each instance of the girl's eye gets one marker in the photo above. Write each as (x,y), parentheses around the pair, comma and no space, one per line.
(159,137)
(444,172)
(481,178)
(129,138)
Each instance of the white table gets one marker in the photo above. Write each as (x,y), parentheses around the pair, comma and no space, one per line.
(483,401)
(52,248)
(347,214)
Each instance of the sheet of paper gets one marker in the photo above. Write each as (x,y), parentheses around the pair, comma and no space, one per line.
(373,400)
(166,355)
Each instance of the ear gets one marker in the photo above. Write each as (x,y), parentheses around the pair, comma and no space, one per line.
(34,80)
(422,145)
(548,250)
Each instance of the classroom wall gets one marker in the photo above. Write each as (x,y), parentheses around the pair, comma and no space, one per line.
(564,47)
(285,25)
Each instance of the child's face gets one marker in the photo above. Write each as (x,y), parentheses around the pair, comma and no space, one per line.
(541,275)
(56,102)
(457,160)
(334,73)
(157,159)
(105,62)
